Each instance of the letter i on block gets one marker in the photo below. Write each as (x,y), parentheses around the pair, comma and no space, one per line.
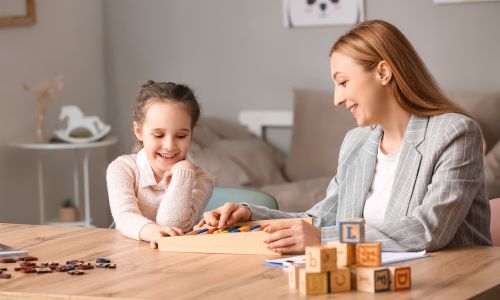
(352,231)
(400,278)
(293,275)
(321,259)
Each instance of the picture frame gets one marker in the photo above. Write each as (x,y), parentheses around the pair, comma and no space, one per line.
(14,20)
(302,13)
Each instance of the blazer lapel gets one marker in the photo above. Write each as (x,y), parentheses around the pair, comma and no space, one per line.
(407,169)
(359,177)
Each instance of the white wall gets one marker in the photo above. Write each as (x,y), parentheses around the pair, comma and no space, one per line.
(66,39)
(237,55)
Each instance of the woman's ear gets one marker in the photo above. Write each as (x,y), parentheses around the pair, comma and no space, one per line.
(384,73)
(138,131)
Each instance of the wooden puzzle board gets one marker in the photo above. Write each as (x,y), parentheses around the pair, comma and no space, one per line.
(230,243)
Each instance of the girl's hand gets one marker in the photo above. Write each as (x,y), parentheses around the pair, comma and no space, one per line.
(226,216)
(182,164)
(292,237)
(162,232)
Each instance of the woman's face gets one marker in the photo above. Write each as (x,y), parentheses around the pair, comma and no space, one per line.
(362,92)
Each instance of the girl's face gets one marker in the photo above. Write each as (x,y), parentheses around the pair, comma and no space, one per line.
(363,93)
(165,133)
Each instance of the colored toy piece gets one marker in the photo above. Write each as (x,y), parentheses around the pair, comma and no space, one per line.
(75,272)
(352,231)
(103,260)
(28,258)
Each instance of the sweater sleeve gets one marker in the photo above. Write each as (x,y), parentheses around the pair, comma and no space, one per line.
(120,179)
(186,196)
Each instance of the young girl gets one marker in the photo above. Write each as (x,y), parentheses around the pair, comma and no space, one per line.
(157,192)
(413,168)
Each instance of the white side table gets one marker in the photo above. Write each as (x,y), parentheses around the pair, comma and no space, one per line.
(39,147)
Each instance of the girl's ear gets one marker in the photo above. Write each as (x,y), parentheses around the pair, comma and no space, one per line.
(138,131)
(384,73)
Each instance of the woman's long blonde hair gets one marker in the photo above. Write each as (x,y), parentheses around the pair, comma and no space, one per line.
(415,89)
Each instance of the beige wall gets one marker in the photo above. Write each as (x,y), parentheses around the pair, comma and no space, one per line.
(236,54)
(66,39)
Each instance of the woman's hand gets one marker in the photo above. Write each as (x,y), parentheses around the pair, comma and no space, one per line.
(182,164)
(292,237)
(227,215)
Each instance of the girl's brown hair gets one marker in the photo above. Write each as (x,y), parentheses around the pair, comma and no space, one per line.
(415,89)
(164,92)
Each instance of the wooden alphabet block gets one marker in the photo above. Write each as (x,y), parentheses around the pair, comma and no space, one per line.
(346,254)
(293,275)
(321,259)
(368,255)
(340,280)
(354,278)
(313,283)
(373,280)
(400,278)
(352,230)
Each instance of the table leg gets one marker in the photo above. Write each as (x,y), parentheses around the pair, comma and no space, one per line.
(76,182)
(41,200)
(88,221)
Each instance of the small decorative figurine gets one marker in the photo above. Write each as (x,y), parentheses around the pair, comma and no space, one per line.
(80,128)
(44,94)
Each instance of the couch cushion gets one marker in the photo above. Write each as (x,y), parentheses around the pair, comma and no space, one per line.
(484,108)
(318,130)
(298,196)
(234,156)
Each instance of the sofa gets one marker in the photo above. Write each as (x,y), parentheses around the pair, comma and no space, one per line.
(238,157)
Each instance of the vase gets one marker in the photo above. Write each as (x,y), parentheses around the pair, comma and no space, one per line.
(68,214)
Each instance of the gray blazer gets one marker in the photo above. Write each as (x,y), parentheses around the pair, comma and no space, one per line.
(438,198)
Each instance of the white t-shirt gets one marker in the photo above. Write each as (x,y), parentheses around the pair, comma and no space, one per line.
(381,187)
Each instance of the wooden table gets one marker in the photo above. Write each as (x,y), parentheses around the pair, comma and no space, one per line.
(145,273)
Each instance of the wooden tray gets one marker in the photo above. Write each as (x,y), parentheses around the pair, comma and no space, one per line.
(232,243)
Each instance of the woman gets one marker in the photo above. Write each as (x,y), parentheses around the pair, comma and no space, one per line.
(413,168)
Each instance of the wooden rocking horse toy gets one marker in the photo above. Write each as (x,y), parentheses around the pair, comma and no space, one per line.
(94,128)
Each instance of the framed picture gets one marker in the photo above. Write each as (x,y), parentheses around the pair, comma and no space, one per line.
(322,12)
(461,1)
(17,13)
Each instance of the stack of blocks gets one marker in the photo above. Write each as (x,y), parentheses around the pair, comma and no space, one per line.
(346,265)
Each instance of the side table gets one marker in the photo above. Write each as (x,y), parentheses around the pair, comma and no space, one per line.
(39,147)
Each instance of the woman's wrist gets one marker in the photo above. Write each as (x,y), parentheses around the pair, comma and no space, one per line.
(248,209)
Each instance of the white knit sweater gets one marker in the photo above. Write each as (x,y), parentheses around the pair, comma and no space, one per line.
(136,199)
